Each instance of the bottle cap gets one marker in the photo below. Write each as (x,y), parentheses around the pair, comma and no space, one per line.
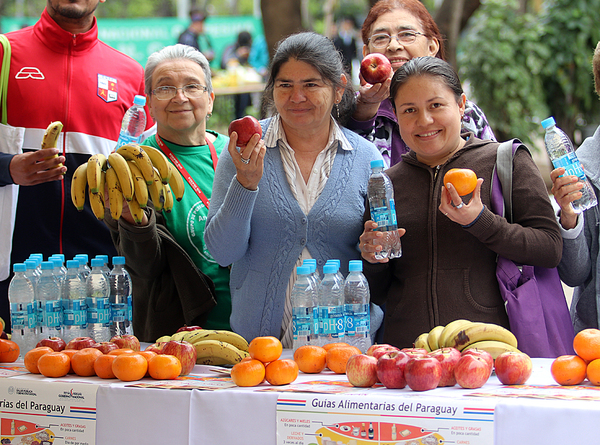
(329,268)
(103,258)
(59,255)
(30,264)
(118,260)
(47,265)
(19,267)
(377,163)
(82,255)
(303,270)
(73,264)
(97,262)
(355,266)
(139,100)
(56,261)
(548,122)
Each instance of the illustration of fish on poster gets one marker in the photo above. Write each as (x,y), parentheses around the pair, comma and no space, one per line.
(353,419)
(47,413)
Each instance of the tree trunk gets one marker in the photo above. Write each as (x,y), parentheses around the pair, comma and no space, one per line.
(281,18)
(452,21)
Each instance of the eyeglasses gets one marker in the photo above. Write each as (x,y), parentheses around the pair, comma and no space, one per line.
(403,37)
(191,91)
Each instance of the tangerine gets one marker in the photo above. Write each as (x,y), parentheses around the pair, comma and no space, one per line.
(103,366)
(328,346)
(32,356)
(70,353)
(130,367)
(248,373)
(593,372)
(464,180)
(281,372)
(568,370)
(587,344)
(121,351)
(83,361)
(9,351)
(164,367)
(337,358)
(266,349)
(54,364)
(310,359)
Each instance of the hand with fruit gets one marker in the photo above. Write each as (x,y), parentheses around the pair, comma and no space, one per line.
(459,182)
(246,133)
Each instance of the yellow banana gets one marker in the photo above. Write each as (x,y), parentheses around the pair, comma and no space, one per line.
(115,195)
(168,206)
(495,348)
(449,332)
(119,164)
(160,162)
(211,352)
(140,189)
(156,193)
(96,165)
(134,152)
(176,183)
(163,339)
(97,199)
(220,335)
(136,211)
(477,332)
(432,338)
(421,342)
(78,185)
(50,138)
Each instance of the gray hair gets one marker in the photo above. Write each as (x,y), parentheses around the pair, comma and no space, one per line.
(176,52)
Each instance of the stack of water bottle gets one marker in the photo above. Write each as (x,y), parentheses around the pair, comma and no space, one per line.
(331,309)
(51,299)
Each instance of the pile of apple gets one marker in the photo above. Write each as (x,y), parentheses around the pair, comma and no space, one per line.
(421,370)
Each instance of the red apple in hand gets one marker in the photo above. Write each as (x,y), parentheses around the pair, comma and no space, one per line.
(184,351)
(391,367)
(448,358)
(375,68)
(126,341)
(513,368)
(245,128)
(423,373)
(56,343)
(81,343)
(471,371)
(361,370)
(105,346)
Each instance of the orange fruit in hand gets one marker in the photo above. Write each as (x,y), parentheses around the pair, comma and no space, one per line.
(248,373)
(587,344)
(130,367)
(54,364)
(568,370)
(266,349)
(464,180)
(9,351)
(593,372)
(103,366)
(281,372)
(337,358)
(164,367)
(32,356)
(310,359)
(83,361)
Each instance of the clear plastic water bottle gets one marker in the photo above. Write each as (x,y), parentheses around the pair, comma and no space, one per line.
(383,211)
(357,312)
(33,273)
(134,123)
(48,303)
(84,268)
(304,299)
(331,307)
(120,292)
(59,270)
(337,264)
(23,318)
(129,324)
(98,302)
(74,303)
(562,154)
(105,267)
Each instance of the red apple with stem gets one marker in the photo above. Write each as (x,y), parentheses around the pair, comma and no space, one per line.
(448,358)
(184,351)
(423,373)
(471,371)
(245,127)
(391,368)
(513,368)
(105,346)
(483,354)
(80,343)
(375,68)
(384,350)
(361,370)
(126,341)
(56,343)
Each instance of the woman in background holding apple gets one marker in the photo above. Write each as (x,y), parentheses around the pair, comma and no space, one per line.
(448,266)
(400,30)
(299,193)
(175,279)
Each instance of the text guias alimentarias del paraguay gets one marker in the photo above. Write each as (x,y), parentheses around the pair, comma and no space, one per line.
(412,407)
(30,405)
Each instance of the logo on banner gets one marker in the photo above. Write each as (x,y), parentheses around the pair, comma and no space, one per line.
(107,88)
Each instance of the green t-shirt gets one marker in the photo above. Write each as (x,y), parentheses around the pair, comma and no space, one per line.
(188,218)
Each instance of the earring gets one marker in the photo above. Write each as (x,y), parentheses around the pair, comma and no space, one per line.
(337,111)
(208,116)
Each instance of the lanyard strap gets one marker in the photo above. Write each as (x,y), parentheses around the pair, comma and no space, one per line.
(184,172)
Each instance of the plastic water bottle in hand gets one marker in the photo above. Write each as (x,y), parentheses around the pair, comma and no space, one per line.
(23,318)
(120,291)
(357,310)
(304,299)
(331,307)
(562,154)
(383,211)
(74,303)
(98,302)
(134,123)
(48,303)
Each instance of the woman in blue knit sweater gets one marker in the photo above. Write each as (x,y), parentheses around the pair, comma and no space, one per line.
(298,193)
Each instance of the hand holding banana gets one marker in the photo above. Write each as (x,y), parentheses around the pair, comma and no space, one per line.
(132,174)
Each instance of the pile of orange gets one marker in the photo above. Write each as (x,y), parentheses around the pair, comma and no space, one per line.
(574,369)
(264,364)
(124,364)
(314,359)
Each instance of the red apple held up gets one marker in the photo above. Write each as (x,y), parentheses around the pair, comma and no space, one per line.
(375,68)
(483,354)
(105,346)
(471,371)
(56,343)
(126,341)
(513,368)
(188,328)
(448,358)
(423,373)
(391,368)
(245,128)
(361,370)
(81,343)
(184,351)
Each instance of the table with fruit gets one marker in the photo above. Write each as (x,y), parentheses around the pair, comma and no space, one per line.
(214,384)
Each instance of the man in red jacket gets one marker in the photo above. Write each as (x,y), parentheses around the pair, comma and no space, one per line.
(60,71)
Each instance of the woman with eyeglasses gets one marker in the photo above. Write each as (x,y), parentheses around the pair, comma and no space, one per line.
(400,30)
(175,279)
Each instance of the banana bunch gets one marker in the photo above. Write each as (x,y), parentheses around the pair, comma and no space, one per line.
(213,347)
(133,172)
(464,334)
(50,138)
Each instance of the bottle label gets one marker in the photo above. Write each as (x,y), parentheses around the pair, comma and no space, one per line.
(18,316)
(385,216)
(77,315)
(52,314)
(31,316)
(571,164)
(129,307)
(118,311)
(99,311)
(357,319)
(302,322)
(126,139)
(331,322)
